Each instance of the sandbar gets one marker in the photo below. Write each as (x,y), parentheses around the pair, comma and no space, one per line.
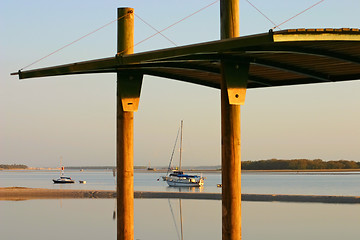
(21,193)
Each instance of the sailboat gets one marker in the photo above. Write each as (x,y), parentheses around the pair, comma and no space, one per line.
(178,178)
(62,178)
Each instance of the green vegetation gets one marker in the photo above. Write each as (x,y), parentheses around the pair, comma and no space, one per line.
(13,166)
(298,164)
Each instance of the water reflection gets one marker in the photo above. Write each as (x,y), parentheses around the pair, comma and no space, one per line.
(298,221)
(185,189)
(181,234)
(114,212)
(92,219)
(162,221)
(56,220)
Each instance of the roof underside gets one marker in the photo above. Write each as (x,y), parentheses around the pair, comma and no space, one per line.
(288,57)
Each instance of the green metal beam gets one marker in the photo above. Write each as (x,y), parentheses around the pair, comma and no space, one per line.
(213,47)
(205,58)
(292,68)
(188,79)
(255,81)
(73,68)
(303,51)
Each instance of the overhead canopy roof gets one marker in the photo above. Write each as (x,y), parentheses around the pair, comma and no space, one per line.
(289,57)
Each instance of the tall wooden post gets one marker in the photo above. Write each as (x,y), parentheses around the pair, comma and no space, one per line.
(233,89)
(128,91)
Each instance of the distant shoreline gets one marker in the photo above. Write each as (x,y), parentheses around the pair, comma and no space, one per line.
(193,170)
(255,171)
(271,165)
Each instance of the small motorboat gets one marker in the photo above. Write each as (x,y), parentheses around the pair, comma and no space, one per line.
(63,179)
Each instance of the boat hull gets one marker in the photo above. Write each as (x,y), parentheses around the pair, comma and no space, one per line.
(184,182)
(62,181)
(181,184)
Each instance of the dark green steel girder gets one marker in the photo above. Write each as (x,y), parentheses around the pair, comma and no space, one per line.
(287,53)
(303,51)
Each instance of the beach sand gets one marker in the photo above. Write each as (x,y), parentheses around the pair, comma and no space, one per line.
(20,193)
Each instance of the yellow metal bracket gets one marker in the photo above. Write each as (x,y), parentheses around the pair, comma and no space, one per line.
(235,75)
(129,88)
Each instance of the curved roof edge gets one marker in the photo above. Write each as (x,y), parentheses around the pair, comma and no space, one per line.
(317,34)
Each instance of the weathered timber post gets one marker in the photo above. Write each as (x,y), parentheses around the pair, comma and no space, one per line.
(128,93)
(233,90)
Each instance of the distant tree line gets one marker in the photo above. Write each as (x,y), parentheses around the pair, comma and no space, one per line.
(89,167)
(298,164)
(13,166)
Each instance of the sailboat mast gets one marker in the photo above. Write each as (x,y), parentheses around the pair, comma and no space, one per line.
(181,137)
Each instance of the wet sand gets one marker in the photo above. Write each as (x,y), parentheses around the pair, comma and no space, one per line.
(19,193)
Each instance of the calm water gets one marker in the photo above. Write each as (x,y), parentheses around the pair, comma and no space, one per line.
(271,183)
(160,218)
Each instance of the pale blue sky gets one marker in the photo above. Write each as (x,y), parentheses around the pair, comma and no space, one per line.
(74,116)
